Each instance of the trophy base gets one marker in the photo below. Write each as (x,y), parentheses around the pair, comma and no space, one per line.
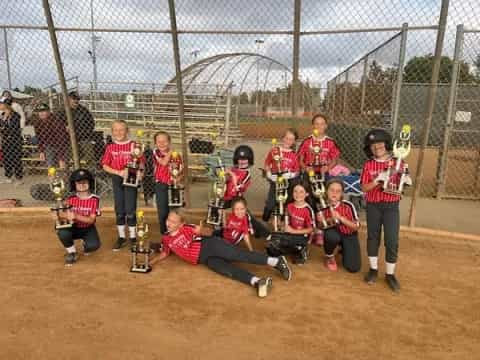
(129,184)
(176,204)
(393,190)
(63,226)
(141,269)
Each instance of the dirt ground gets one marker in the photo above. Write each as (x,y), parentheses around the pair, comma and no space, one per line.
(97,309)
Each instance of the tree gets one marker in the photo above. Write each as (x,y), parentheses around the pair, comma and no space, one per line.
(419,70)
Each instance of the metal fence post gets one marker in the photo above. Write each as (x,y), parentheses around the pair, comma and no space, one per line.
(398,85)
(451,110)
(364,85)
(63,84)
(430,107)
(7,59)
(296,57)
(345,94)
(228,113)
(181,109)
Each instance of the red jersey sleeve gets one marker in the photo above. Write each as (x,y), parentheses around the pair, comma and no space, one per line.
(107,156)
(335,151)
(365,177)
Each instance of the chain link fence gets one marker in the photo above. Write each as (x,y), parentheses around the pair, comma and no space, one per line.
(248,70)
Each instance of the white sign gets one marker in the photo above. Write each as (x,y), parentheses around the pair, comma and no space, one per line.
(463,116)
(130,101)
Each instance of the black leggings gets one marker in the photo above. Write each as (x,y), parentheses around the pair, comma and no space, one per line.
(12,158)
(89,235)
(386,215)
(125,198)
(286,244)
(218,255)
(350,245)
(161,198)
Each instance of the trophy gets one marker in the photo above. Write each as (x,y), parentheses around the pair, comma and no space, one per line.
(394,178)
(317,183)
(281,195)
(277,156)
(216,205)
(57,186)
(141,251)
(132,175)
(316,150)
(175,190)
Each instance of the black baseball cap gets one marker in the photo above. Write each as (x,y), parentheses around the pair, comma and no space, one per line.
(42,107)
(73,95)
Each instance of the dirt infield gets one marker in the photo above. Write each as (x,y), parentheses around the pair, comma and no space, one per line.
(98,310)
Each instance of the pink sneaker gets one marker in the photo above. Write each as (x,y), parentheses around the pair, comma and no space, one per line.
(330,263)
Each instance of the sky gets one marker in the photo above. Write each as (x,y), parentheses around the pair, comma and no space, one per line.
(148,57)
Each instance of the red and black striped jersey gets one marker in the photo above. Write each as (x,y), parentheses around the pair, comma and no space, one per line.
(85,207)
(347,210)
(371,169)
(162,172)
(243,182)
(236,228)
(289,161)
(300,217)
(329,150)
(183,243)
(118,154)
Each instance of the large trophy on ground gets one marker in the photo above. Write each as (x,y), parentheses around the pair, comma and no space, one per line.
(317,184)
(132,173)
(141,251)
(396,176)
(216,204)
(175,190)
(57,186)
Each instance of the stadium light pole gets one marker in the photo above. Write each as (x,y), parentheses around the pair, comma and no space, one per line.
(258,43)
(7,59)
(93,52)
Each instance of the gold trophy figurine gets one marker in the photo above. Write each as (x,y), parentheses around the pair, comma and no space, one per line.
(281,195)
(216,205)
(141,251)
(394,178)
(132,174)
(175,190)
(57,186)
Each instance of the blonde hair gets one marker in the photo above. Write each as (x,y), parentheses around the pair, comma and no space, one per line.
(180,213)
(123,122)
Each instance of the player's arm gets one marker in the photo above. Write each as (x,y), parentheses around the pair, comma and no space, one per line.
(304,231)
(248,243)
(113,171)
(353,225)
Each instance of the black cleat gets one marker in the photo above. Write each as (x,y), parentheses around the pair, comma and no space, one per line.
(70,258)
(263,286)
(302,256)
(121,242)
(133,242)
(392,282)
(371,277)
(283,267)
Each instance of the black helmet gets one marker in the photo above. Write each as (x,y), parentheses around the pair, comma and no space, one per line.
(243,152)
(42,107)
(377,136)
(79,175)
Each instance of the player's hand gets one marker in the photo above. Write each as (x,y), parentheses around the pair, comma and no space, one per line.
(42,156)
(54,215)
(288,229)
(336,215)
(121,173)
(70,215)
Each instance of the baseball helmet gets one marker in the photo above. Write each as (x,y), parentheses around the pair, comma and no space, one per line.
(376,136)
(79,175)
(243,152)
